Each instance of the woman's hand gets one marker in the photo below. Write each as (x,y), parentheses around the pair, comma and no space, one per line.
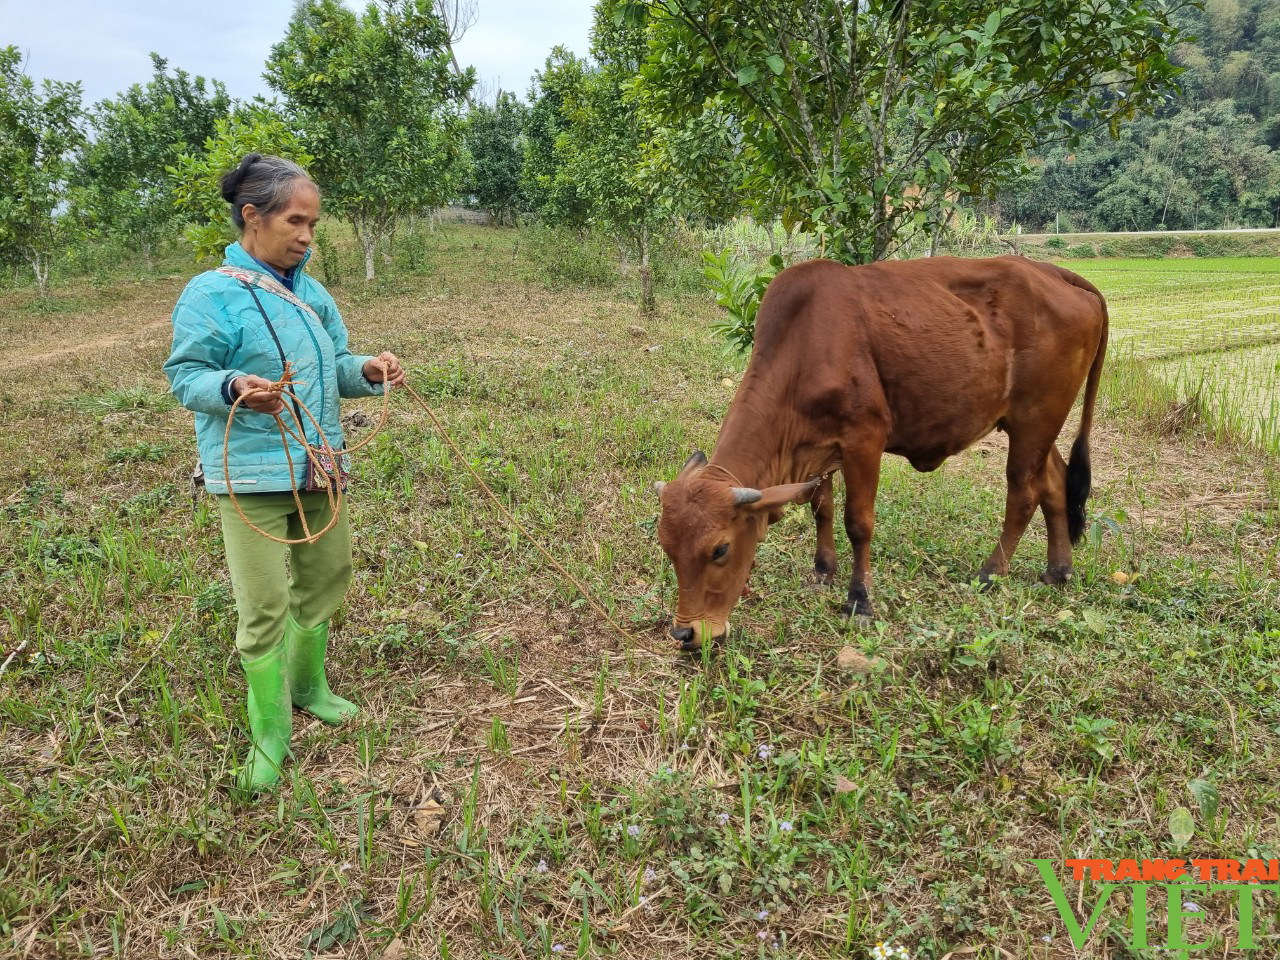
(257,394)
(373,369)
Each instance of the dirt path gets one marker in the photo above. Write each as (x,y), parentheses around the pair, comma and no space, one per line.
(98,343)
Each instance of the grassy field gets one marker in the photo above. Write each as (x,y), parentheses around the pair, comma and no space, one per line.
(524,783)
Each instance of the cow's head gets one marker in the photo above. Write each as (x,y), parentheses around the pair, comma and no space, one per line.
(710,529)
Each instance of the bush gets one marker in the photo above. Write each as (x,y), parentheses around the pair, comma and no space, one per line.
(330,267)
(677,266)
(739,288)
(1057,243)
(563,258)
(1081,251)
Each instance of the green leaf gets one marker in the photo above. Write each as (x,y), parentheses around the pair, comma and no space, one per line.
(747,75)
(1206,796)
(1094,620)
(776,64)
(1181,827)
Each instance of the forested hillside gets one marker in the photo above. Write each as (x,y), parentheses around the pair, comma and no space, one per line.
(1209,159)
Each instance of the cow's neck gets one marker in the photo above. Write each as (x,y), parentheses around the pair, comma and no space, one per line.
(760,442)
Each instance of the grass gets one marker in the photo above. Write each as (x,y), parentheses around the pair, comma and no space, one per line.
(520,778)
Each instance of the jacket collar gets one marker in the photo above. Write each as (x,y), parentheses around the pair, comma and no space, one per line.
(237,256)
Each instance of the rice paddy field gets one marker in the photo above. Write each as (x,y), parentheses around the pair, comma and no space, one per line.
(525,782)
(1209,328)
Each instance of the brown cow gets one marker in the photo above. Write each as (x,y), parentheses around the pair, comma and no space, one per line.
(921,358)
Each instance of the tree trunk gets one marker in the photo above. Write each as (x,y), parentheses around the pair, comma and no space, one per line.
(648,304)
(368,241)
(40,264)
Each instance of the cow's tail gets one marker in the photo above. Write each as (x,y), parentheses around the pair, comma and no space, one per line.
(1079,474)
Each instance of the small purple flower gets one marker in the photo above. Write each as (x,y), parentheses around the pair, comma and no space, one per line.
(558,948)
(723,818)
(650,875)
(762,915)
(785,826)
(643,901)
(633,830)
(542,866)
(762,936)
(1193,907)
(764,751)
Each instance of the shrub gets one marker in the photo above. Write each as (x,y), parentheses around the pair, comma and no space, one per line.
(739,289)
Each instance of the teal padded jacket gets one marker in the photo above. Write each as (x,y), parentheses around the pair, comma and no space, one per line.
(224,328)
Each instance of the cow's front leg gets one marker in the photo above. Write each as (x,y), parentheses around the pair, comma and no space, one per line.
(861,478)
(824,515)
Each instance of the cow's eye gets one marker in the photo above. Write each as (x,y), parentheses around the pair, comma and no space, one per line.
(720,552)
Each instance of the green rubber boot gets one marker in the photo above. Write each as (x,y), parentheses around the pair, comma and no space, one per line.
(270,720)
(307,683)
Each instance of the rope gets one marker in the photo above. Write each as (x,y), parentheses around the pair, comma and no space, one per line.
(333,474)
(317,457)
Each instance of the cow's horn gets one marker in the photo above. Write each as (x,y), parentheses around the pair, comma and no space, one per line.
(744,495)
(699,459)
(659,486)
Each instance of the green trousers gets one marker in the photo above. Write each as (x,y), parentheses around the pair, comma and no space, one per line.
(311,587)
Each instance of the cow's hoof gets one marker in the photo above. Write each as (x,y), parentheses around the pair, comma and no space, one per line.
(986,580)
(1056,576)
(861,610)
(821,580)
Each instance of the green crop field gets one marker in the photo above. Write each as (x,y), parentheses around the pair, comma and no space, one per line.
(524,783)
(1210,328)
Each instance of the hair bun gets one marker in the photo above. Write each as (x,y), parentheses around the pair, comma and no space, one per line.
(231,181)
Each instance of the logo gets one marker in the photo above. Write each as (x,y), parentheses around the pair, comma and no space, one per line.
(1177,877)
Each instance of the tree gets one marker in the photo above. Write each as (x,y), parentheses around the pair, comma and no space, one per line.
(495,139)
(123,184)
(378,102)
(864,122)
(40,130)
(603,147)
(197,193)
(550,194)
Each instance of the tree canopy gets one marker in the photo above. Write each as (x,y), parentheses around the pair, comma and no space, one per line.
(863,122)
(378,103)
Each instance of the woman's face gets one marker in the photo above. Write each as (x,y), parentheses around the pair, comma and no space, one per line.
(283,238)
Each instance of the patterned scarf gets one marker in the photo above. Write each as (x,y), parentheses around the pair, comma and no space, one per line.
(264,282)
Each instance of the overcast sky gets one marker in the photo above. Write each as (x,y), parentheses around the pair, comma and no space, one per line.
(105,43)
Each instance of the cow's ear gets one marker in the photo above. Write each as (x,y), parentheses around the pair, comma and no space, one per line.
(699,459)
(773,498)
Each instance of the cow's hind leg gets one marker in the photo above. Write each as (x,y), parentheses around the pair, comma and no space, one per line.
(861,478)
(824,513)
(1053,504)
(1024,473)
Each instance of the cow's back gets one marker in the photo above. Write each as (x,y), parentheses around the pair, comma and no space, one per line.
(942,349)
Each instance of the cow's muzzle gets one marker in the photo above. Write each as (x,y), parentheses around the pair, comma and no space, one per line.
(692,638)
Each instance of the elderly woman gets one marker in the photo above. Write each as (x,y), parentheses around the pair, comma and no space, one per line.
(234,329)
